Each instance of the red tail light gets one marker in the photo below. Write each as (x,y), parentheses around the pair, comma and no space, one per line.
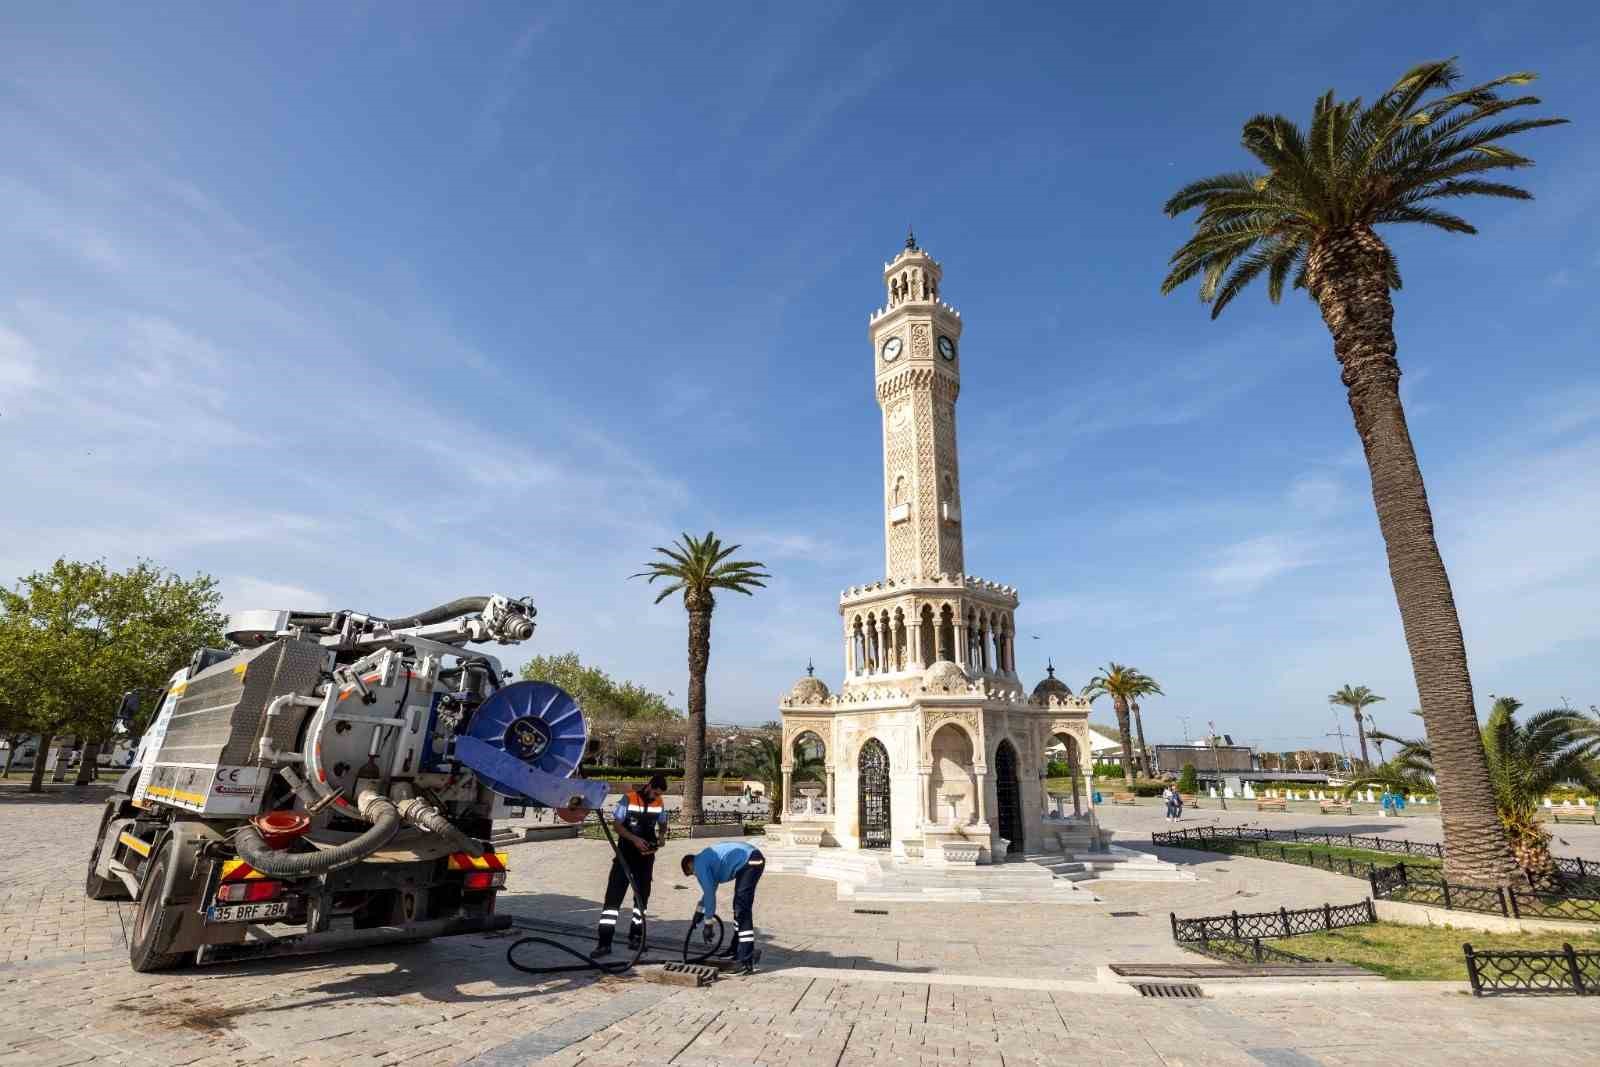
(248,892)
(486,879)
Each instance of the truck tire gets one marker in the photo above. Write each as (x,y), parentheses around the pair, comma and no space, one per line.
(153,921)
(94,886)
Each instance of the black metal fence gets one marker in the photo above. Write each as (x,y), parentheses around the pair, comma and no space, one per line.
(1555,971)
(1555,901)
(1199,836)
(1237,937)
(1281,923)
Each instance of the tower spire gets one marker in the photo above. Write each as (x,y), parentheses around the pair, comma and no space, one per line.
(911,239)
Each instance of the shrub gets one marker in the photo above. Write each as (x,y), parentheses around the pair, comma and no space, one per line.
(1057,769)
(1144,787)
(1107,770)
(1188,781)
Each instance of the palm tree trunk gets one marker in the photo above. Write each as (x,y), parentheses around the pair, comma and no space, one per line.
(1347,275)
(1361,732)
(695,745)
(1144,750)
(1121,704)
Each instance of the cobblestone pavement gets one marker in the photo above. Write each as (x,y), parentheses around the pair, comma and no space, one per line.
(932,984)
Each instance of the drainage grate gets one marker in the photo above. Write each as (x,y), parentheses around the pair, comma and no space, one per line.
(869,911)
(1124,914)
(689,974)
(1169,990)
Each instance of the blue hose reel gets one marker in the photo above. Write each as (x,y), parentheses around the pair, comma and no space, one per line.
(525,743)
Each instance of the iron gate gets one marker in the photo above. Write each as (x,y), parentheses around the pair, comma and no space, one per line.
(873,771)
(1005,787)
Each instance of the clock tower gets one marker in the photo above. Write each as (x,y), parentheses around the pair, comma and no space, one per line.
(916,344)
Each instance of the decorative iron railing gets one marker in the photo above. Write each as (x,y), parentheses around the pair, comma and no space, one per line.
(1200,835)
(1563,971)
(1284,922)
(1555,901)
(1249,950)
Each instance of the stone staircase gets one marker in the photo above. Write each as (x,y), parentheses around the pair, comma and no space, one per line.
(1118,864)
(876,877)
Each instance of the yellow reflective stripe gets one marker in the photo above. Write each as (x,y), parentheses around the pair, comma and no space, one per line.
(134,843)
(177,794)
(489,861)
(240,669)
(229,866)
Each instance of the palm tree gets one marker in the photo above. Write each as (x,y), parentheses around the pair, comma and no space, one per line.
(1144,749)
(1123,684)
(1357,698)
(1526,760)
(697,566)
(1312,213)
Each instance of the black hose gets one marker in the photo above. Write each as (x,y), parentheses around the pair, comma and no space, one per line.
(615,966)
(442,613)
(253,849)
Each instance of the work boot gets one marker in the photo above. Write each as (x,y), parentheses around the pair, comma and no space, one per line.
(635,938)
(599,951)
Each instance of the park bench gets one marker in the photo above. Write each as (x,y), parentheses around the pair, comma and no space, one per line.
(1335,807)
(1124,798)
(1272,804)
(1190,800)
(1560,815)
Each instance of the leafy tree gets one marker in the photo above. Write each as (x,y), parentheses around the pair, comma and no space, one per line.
(1312,213)
(1123,685)
(1357,698)
(82,634)
(1188,780)
(697,567)
(608,706)
(1525,760)
(760,757)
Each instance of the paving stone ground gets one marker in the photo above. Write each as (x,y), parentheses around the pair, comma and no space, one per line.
(938,984)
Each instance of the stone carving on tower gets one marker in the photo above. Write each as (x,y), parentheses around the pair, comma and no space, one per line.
(931,690)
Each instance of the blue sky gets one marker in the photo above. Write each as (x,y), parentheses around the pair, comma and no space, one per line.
(372,305)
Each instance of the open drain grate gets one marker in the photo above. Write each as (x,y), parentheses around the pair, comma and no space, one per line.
(1169,990)
(869,911)
(1124,914)
(693,975)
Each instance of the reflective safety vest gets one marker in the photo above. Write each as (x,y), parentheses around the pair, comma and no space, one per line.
(644,819)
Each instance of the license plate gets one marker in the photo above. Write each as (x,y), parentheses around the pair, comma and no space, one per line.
(247,913)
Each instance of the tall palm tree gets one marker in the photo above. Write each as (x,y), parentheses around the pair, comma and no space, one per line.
(1312,214)
(697,566)
(1144,749)
(1357,698)
(1526,760)
(1123,685)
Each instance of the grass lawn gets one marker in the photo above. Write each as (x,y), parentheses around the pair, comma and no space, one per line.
(1297,852)
(1419,953)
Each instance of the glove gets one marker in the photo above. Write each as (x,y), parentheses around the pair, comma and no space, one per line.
(707,934)
(695,921)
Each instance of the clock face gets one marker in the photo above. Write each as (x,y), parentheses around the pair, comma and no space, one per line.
(891,349)
(947,347)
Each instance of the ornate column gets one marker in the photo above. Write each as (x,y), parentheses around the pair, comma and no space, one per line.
(787,786)
(925,780)
(885,644)
(831,807)
(961,649)
(978,805)
(914,639)
(849,654)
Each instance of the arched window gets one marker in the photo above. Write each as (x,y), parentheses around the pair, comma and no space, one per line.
(926,637)
(947,633)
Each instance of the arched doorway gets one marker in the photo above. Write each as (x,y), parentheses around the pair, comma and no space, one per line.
(873,787)
(1007,798)
(809,753)
(954,798)
(1074,764)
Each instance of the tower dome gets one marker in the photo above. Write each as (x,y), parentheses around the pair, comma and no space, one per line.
(945,676)
(1051,686)
(810,689)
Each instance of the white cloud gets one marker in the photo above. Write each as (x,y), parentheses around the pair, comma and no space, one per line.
(246,594)
(19,362)
(1248,565)
(1315,495)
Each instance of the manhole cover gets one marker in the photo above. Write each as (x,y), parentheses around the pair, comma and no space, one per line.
(1169,990)
(1124,914)
(869,911)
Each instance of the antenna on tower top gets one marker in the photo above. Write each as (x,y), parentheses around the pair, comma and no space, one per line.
(811,670)
(911,239)
(1050,667)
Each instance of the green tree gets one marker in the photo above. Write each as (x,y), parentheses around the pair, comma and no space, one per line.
(1123,685)
(697,567)
(1357,698)
(760,757)
(88,634)
(1189,780)
(1312,214)
(608,707)
(1525,761)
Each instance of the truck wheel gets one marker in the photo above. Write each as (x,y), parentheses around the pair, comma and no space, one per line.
(94,886)
(152,923)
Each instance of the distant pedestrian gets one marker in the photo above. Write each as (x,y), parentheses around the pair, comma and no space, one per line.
(1170,796)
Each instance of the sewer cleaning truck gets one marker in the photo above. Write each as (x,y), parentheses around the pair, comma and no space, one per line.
(331,780)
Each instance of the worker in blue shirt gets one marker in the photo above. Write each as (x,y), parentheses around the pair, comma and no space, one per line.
(741,864)
(640,820)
